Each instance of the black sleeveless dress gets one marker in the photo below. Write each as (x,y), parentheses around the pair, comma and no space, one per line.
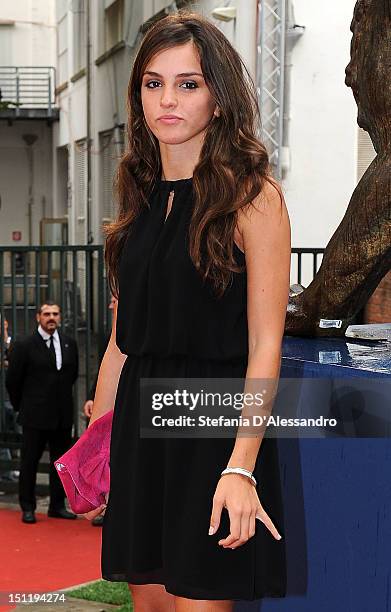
(169,324)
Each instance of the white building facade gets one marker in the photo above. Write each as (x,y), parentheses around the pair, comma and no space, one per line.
(27,39)
(324,152)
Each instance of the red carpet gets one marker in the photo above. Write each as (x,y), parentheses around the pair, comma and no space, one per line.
(50,554)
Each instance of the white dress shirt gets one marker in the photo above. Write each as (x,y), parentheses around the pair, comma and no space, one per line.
(56,342)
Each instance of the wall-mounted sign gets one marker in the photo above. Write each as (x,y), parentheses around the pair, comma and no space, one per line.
(17,235)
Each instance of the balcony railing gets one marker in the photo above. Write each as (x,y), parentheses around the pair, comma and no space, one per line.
(27,88)
(305,263)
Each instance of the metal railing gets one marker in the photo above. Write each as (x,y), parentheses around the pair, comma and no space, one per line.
(73,277)
(27,87)
(306,262)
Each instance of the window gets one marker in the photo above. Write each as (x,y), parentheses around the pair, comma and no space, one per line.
(152,7)
(63,191)
(112,147)
(6,44)
(79,34)
(114,12)
(81,191)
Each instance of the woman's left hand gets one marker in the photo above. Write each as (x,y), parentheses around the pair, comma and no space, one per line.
(236,493)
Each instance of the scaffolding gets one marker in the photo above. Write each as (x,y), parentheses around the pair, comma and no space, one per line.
(271,37)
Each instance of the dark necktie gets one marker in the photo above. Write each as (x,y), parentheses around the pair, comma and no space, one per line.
(52,349)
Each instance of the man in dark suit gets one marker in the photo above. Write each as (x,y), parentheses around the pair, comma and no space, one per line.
(41,372)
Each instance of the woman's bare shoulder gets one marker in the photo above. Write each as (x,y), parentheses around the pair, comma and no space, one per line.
(270,201)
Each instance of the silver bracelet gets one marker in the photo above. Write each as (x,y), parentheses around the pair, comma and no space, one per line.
(238,470)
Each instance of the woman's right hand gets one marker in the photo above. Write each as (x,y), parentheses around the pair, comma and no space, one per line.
(97,511)
(94,513)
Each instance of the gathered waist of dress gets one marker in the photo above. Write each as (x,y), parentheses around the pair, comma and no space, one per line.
(147,356)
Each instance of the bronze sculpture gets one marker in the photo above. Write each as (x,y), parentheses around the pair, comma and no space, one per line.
(358,255)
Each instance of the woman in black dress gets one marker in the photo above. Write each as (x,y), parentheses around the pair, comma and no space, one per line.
(199,258)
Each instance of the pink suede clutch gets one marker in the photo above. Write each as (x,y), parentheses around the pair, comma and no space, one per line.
(84,469)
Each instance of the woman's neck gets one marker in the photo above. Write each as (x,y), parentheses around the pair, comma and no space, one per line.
(179,160)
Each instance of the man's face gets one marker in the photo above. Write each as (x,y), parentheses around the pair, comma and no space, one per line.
(49,318)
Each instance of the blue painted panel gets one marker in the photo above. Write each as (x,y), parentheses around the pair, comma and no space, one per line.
(337,356)
(337,495)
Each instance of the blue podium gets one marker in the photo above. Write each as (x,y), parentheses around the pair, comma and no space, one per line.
(337,488)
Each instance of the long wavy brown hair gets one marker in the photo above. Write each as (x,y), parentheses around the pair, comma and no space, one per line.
(233,164)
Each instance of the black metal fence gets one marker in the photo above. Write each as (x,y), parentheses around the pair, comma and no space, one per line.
(73,277)
(306,261)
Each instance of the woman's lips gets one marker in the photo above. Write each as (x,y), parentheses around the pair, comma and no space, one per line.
(170,120)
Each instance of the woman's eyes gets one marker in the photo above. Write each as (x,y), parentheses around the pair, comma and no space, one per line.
(151,84)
